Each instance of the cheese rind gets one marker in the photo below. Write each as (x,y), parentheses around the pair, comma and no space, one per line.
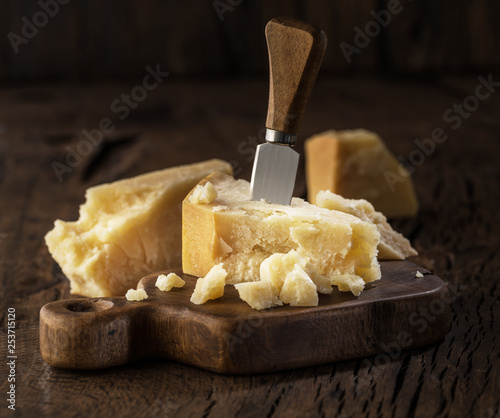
(392,245)
(357,164)
(126,229)
(166,282)
(335,242)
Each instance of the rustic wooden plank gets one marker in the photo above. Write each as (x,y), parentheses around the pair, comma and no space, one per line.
(456,233)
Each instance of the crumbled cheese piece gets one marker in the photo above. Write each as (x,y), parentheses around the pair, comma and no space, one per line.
(323,284)
(211,286)
(346,283)
(166,283)
(275,268)
(203,194)
(136,295)
(285,278)
(220,208)
(259,295)
(419,275)
(298,289)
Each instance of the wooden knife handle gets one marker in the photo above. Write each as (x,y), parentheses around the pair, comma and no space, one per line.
(296,50)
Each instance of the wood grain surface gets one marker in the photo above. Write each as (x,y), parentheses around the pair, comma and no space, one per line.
(228,336)
(457,234)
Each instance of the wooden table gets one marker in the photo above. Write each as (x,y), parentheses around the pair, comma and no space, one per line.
(457,234)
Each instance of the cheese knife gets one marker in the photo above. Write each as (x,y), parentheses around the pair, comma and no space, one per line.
(296,50)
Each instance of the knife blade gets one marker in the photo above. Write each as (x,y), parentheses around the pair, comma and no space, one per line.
(296,50)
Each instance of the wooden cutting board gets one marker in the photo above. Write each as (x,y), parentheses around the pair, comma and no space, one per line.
(397,312)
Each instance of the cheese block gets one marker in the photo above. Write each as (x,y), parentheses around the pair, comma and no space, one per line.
(126,229)
(356,164)
(392,245)
(239,234)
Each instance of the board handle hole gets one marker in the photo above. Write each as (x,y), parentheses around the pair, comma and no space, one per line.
(96,305)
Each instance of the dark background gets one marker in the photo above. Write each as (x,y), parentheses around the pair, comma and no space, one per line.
(95,39)
(429,59)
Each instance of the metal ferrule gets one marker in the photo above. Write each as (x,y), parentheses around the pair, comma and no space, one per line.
(278,137)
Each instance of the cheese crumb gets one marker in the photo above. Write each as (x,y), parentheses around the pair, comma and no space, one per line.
(323,284)
(346,283)
(285,278)
(166,283)
(136,295)
(275,268)
(419,275)
(259,295)
(203,194)
(298,289)
(211,286)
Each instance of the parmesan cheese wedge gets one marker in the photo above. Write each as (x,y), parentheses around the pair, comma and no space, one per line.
(356,164)
(239,234)
(126,229)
